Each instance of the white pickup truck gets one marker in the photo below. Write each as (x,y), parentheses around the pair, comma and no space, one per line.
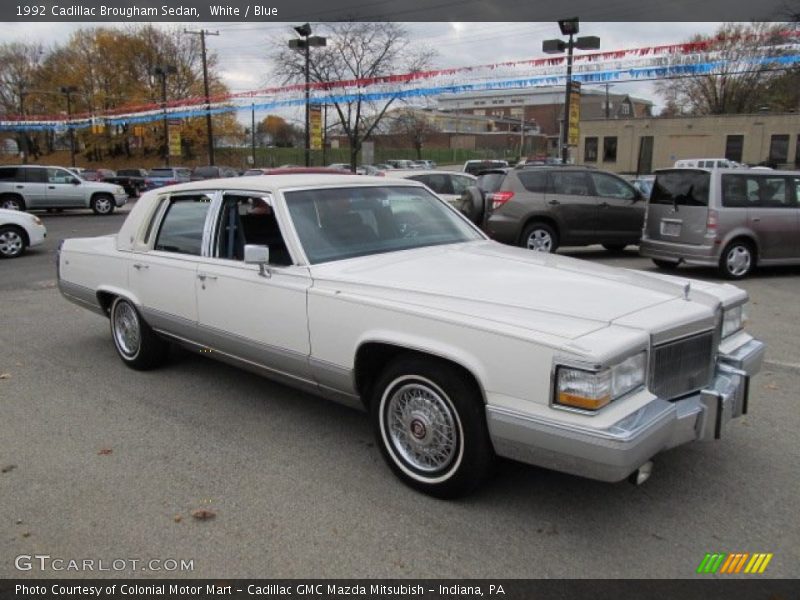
(378,294)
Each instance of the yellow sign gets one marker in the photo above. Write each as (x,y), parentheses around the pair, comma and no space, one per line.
(98,128)
(315,117)
(174,141)
(138,131)
(574,113)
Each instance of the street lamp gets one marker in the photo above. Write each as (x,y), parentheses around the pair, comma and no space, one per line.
(305,44)
(569,27)
(68,90)
(162,71)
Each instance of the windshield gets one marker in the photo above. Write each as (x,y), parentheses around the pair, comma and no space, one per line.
(161,173)
(339,223)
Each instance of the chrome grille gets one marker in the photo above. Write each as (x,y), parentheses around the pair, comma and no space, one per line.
(682,366)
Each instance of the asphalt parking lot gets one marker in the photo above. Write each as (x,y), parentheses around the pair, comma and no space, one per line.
(101,462)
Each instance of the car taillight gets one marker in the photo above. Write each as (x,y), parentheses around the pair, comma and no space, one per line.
(711,223)
(499,198)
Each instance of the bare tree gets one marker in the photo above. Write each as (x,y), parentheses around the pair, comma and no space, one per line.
(741,81)
(414,126)
(355,51)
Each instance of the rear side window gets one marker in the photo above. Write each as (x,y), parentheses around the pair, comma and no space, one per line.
(182,228)
(490,182)
(757,191)
(8,173)
(681,188)
(534,181)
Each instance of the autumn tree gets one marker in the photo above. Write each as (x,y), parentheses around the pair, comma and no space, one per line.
(355,50)
(275,131)
(112,68)
(19,75)
(741,81)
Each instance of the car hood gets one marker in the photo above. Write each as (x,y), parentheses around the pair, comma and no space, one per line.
(486,281)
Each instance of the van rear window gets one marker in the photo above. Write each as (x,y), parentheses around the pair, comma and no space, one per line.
(681,187)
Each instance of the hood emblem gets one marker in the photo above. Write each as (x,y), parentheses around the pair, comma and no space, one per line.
(686,289)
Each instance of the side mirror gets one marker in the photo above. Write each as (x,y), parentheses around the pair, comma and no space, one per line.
(75,181)
(255,254)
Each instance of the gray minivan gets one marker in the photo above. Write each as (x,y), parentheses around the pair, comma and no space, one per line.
(732,219)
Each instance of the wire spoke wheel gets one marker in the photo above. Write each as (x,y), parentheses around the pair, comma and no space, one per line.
(422,427)
(127,330)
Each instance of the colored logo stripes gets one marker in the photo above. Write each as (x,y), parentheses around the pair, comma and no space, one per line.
(742,562)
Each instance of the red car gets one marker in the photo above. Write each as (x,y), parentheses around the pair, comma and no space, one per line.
(97,174)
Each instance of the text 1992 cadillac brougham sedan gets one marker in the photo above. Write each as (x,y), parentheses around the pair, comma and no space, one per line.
(379,294)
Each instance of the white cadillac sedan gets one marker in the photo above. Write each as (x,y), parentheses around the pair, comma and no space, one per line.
(18,232)
(378,294)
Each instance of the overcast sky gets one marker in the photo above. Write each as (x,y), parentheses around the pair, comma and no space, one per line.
(242,48)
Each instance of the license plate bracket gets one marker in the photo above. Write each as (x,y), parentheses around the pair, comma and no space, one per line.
(671,228)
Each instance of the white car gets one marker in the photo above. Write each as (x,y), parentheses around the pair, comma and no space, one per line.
(377,294)
(448,185)
(18,232)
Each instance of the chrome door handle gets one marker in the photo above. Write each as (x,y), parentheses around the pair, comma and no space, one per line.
(756,219)
(554,203)
(203,277)
(140,266)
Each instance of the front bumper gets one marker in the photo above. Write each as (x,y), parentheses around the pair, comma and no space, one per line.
(613,453)
(120,199)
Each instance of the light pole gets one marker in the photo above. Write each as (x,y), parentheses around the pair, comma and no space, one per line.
(305,44)
(569,27)
(24,133)
(162,71)
(68,90)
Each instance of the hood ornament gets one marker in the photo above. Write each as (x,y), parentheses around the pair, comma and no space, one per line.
(686,289)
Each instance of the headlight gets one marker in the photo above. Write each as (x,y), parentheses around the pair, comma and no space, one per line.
(592,390)
(120,190)
(733,319)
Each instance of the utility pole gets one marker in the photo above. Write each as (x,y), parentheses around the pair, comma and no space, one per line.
(203,33)
(23,131)
(253,130)
(68,90)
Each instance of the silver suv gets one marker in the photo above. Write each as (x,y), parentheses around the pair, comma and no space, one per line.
(732,219)
(29,187)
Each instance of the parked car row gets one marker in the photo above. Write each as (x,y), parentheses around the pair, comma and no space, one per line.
(731,218)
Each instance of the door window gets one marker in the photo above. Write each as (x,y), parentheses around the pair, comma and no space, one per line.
(59,176)
(249,220)
(181,230)
(611,187)
(570,183)
(36,175)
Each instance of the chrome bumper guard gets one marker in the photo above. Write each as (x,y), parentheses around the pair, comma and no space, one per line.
(614,453)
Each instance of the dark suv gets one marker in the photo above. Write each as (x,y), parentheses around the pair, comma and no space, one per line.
(544,207)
